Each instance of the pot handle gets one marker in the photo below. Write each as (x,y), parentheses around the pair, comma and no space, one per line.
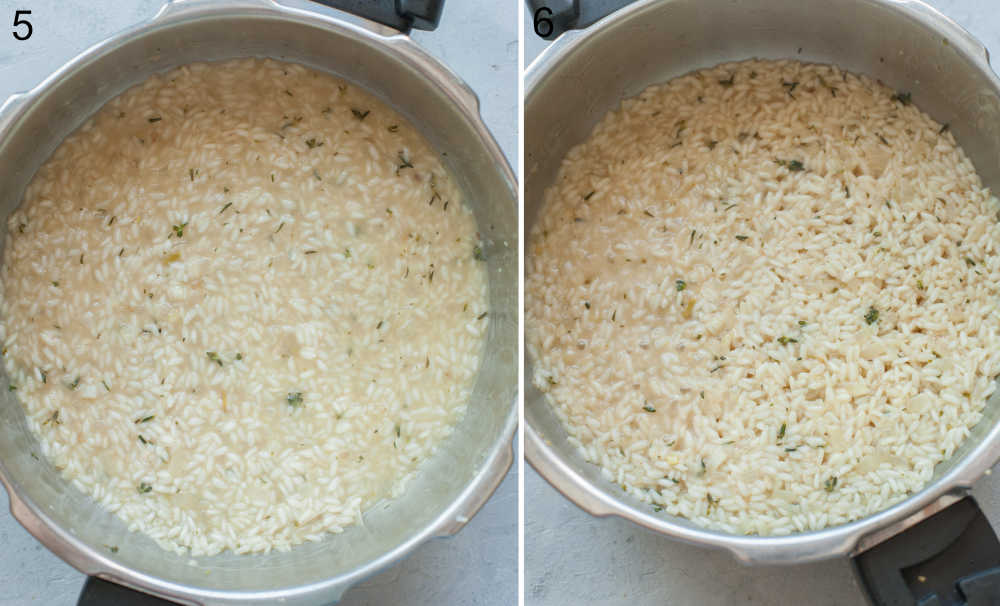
(554,17)
(402,15)
(98,592)
(950,559)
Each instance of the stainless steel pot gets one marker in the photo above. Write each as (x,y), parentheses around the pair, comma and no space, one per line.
(449,488)
(585,73)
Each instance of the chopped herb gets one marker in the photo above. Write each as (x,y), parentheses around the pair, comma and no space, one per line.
(657,508)
(144,419)
(477,254)
(590,195)
(944,128)
(239,356)
(404,162)
(279,227)
(733,205)
(680,285)
(55,283)
(586,304)
(871,316)
(155,119)
(347,253)
(481,316)
(20,227)
(648,408)
(742,238)
(830,483)
(904,98)
(970,262)
(211,355)
(883,139)
(793,449)
(786,340)
(111,221)
(712,144)
(226,207)
(802,322)
(312,144)
(113,549)
(920,285)
(550,380)
(53,418)
(12,387)
(728,83)
(294,399)
(45,376)
(648,214)
(692,238)
(143,487)
(781,432)
(360,115)
(142,439)
(316,174)
(790,86)
(393,128)
(75,383)
(179,229)
(191,173)
(105,384)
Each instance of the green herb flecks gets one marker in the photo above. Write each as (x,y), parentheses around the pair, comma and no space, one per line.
(226,207)
(589,195)
(871,316)
(154,119)
(12,387)
(313,144)
(742,238)
(404,162)
(53,419)
(179,229)
(75,383)
(143,440)
(789,87)
(360,114)
(802,322)
(145,419)
(477,253)
(970,262)
(781,432)
(830,484)
(294,399)
(792,165)
(729,82)
(903,98)
(144,488)
(211,355)
(648,408)
(680,285)
(105,384)
(481,316)
(786,340)
(393,128)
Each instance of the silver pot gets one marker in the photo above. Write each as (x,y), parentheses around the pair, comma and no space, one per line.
(586,73)
(448,489)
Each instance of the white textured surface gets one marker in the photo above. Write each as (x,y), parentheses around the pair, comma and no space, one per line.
(574,558)
(476,39)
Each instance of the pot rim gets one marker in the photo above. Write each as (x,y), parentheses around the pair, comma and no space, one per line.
(499,455)
(843,540)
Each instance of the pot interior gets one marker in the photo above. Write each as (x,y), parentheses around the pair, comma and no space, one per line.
(388,68)
(570,88)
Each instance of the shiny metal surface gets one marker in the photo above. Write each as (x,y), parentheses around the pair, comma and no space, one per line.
(451,487)
(584,74)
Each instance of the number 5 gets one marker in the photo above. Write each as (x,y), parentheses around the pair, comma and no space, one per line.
(18,21)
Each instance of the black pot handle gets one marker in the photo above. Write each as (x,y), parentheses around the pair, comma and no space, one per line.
(399,14)
(950,559)
(98,592)
(553,17)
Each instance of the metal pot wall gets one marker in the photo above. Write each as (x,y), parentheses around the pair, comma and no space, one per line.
(459,478)
(585,73)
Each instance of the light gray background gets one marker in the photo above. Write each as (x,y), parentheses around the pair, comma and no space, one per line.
(477,39)
(571,557)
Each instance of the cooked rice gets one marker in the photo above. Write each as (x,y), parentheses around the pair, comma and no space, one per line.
(241,304)
(763,296)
